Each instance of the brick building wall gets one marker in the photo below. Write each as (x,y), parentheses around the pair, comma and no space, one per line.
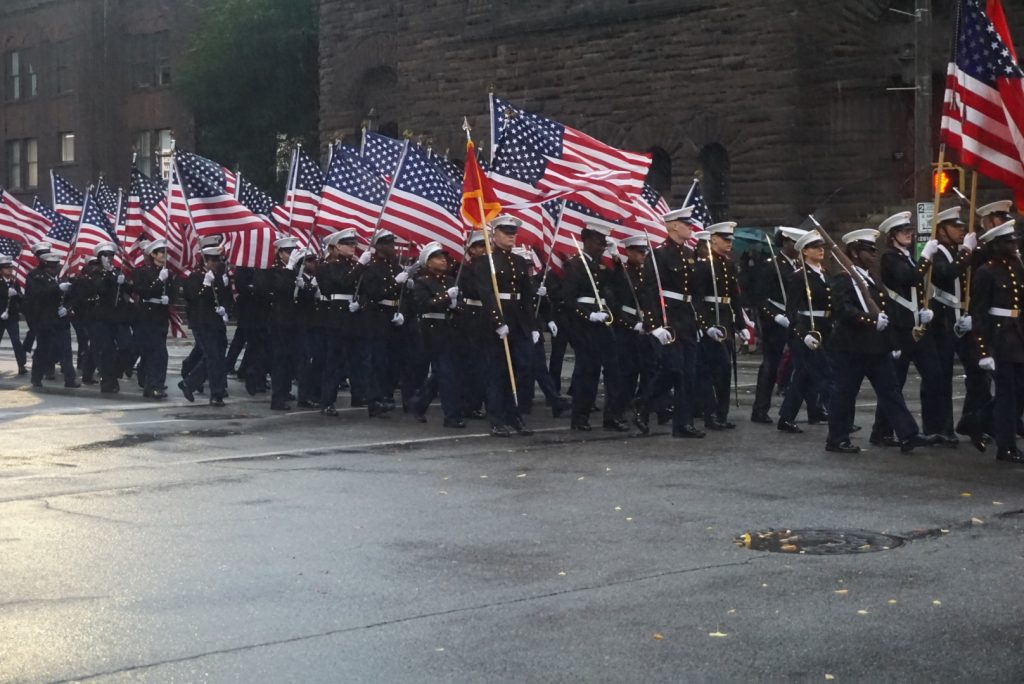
(778,103)
(103,71)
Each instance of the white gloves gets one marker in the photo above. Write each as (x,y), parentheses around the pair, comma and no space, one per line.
(224,279)
(65,286)
(542,291)
(896,354)
(662,335)
(639,327)
(120,278)
(715,334)
(812,342)
(502,331)
(964,325)
(882,323)
(11,292)
(453,293)
(165,300)
(598,317)
(553,327)
(987,364)
(208,278)
(398,320)
(925,316)
(62,312)
(364,258)
(295,256)
(782,320)
(402,277)
(3,316)
(536,336)
(929,249)
(970,242)
(314,284)
(220,311)
(163,275)
(744,336)
(353,306)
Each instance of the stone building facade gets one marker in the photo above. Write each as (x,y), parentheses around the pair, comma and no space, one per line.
(86,84)
(778,104)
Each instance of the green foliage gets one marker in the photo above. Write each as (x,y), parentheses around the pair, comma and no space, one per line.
(250,76)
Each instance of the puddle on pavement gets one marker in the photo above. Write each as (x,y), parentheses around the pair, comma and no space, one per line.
(818,542)
(119,443)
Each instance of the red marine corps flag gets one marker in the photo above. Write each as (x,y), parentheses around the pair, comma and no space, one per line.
(479,204)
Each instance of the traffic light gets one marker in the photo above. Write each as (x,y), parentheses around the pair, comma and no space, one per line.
(948,177)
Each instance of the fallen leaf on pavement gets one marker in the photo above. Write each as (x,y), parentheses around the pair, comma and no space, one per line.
(658,636)
(717,633)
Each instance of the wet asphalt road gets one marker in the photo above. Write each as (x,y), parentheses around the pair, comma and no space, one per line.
(180,543)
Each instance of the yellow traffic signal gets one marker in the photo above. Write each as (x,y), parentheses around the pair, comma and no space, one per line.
(948,177)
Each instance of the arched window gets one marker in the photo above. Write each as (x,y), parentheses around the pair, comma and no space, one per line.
(714,163)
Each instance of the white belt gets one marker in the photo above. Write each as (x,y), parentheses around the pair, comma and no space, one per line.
(630,310)
(780,307)
(589,300)
(388,302)
(717,300)
(508,295)
(1004,313)
(947,298)
(903,301)
(678,296)
(815,314)
(433,316)
(341,297)
(154,301)
(473,302)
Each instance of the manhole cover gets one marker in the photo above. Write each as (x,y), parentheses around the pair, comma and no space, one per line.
(818,542)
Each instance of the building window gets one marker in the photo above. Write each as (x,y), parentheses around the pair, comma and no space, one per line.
(14,164)
(164,145)
(150,59)
(13,68)
(144,152)
(62,67)
(67,148)
(32,162)
(22,79)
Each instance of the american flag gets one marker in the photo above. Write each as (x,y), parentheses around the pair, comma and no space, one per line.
(212,206)
(67,200)
(147,207)
(383,152)
(423,205)
(251,248)
(93,229)
(306,181)
(646,218)
(701,214)
(553,159)
(353,194)
(179,209)
(107,197)
(19,222)
(255,200)
(62,229)
(983,108)
(12,248)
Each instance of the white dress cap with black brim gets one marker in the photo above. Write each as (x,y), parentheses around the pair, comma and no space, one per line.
(702,235)
(50,257)
(210,240)
(104,247)
(599,228)
(40,247)
(684,214)
(868,235)
(1002,231)
(428,250)
(1000,207)
(793,234)
(895,222)
(212,251)
(810,239)
(475,237)
(724,229)
(635,242)
(950,215)
(155,245)
(6,260)
(506,224)
(383,236)
(286,243)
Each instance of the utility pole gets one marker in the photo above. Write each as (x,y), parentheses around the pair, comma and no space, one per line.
(923,152)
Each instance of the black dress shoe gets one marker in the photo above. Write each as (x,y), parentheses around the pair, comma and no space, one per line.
(329,410)
(616,425)
(582,427)
(457,423)
(855,428)
(640,420)
(761,418)
(306,404)
(817,419)
(915,440)
(884,440)
(942,440)
(791,428)
(279,406)
(688,432)
(88,381)
(520,427)
(842,447)
(186,391)
(728,425)
(714,424)
(981,441)
(216,401)
(376,408)
(500,431)
(74,384)
(1010,455)
(155,394)
(475,415)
